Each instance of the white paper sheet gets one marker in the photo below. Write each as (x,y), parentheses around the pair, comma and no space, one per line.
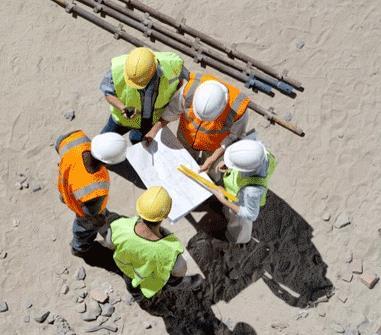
(157,166)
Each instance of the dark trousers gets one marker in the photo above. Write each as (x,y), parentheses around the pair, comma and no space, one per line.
(135,135)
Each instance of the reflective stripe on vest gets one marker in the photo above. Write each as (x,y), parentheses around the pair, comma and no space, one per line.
(208,135)
(75,184)
(73,144)
(147,263)
(171,66)
(234,182)
(85,191)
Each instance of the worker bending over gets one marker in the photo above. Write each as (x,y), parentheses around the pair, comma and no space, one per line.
(83,182)
(138,88)
(212,116)
(149,255)
(247,169)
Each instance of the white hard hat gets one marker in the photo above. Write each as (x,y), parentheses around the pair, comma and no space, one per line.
(109,148)
(210,100)
(245,155)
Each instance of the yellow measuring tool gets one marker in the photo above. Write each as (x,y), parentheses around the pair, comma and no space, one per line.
(205,182)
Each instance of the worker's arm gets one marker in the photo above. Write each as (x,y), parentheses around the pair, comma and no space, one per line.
(213,158)
(220,196)
(171,113)
(250,200)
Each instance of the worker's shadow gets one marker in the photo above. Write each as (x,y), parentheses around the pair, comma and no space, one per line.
(285,257)
(126,171)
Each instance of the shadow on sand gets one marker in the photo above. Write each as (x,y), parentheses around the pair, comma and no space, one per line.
(285,258)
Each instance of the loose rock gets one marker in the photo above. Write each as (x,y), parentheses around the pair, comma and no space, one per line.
(338,328)
(99,295)
(62,270)
(147,325)
(15,222)
(36,188)
(279,325)
(64,289)
(93,311)
(300,44)
(107,309)
(3,254)
(81,308)
(28,304)
(369,279)
(82,293)
(3,307)
(326,216)
(40,316)
(51,318)
(69,115)
(349,257)
(80,273)
(357,267)
(342,221)
(19,186)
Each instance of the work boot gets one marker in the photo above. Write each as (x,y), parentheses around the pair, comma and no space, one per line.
(186,283)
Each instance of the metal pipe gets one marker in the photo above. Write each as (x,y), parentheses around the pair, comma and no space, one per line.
(182,27)
(119,33)
(281,86)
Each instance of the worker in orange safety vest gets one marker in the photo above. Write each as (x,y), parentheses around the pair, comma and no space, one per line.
(83,181)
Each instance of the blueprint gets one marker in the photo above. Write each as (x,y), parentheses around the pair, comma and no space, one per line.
(157,165)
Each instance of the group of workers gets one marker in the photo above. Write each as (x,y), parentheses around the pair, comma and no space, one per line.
(146,90)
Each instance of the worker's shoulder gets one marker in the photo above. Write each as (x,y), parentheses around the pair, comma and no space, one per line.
(169,57)
(60,138)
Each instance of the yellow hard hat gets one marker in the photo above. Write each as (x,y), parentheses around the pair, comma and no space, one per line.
(140,67)
(154,204)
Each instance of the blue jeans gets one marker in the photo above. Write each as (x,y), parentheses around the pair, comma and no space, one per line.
(135,135)
(85,232)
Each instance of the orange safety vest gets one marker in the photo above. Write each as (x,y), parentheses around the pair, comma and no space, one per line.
(208,135)
(75,184)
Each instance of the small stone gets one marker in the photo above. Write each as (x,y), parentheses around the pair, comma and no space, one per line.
(54,238)
(349,257)
(347,276)
(302,315)
(25,184)
(99,295)
(342,221)
(338,328)
(79,300)
(369,279)
(356,266)
(147,325)
(40,316)
(64,289)
(342,297)
(93,311)
(81,308)
(62,270)
(19,186)
(3,254)
(279,325)
(28,304)
(69,115)
(3,307)
(326,216)
(300,44)
(51,318)
(107,309)
(27,318)
(36,188)
(322,314)
(82,294)
(15,222)
(80,273)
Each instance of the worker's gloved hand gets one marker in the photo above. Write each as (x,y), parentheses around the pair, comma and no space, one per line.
(207,164)
(129,112)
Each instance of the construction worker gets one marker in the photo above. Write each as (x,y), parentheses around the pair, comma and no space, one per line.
(149,255)
(138,88)
(84,181)
(247,169)
(212,116)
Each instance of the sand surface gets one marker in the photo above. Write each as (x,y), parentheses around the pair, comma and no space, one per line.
(51,64)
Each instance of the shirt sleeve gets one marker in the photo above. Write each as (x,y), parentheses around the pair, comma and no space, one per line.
(174,108)
(107,85)
(250,202)
(237,130)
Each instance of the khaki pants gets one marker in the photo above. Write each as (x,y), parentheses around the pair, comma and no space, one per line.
(238,229)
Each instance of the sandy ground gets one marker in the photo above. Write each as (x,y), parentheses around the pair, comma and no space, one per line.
(51,64)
